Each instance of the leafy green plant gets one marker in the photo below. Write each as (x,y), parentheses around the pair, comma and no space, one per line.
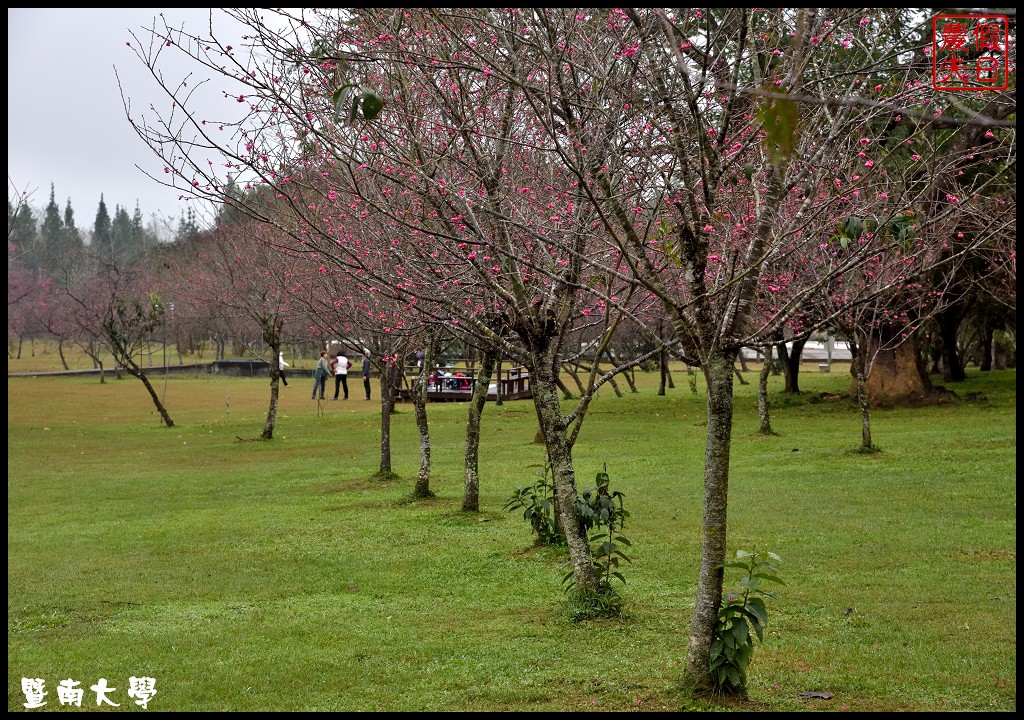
(740,613)
(602,508)
(537,502)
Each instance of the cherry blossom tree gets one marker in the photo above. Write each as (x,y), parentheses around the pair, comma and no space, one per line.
(117,307)
(370,322)
(487,163)
(717,126)
(468,215)
(238,273)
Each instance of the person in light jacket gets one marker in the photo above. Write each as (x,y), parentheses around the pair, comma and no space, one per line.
(341,366)
(281,365)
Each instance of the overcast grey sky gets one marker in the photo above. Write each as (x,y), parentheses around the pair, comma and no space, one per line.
(66,124)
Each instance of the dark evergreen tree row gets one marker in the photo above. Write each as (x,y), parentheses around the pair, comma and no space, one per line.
(42,245)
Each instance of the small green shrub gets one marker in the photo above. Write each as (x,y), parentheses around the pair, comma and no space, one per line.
(740,613)
(601,508)
(537,502)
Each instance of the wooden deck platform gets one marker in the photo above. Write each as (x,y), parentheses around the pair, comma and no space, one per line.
(457,384)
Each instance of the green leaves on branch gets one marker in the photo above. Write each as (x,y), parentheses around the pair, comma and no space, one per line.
(779,119)
(741,612)
(904,230)
(663,239)
(851,228)
(355,102)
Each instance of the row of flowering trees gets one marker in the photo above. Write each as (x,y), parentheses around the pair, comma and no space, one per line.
(533,176)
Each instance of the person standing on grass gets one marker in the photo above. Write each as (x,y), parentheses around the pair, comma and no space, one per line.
(341,366)
(320,375)
(281,365)
(366,373)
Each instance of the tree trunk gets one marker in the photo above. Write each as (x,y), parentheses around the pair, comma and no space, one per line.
(471,493)
(566,393)
(499,401)
(419,399)
(791,364)
(987,339)
(275,380)
(385,470)
(141,375)
(556,441)
(859,364)
(575,378)
(396,377)
(739,376)
(663,367)
(762,393)
(718,372)
(60,351)
(630,379)
(894,373)
(949,323)
(611,381)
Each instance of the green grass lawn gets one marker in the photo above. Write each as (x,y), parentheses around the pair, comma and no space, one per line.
(279,576)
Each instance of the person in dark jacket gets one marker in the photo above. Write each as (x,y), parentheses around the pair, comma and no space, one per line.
(366,372)
(320,375)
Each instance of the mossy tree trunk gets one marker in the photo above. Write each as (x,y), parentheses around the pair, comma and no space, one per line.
(471,491)
(762,393)
(718,372)
(419,399)
(553,426)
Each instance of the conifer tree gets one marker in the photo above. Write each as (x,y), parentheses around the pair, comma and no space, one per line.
(102,235)
(51,235)
(72,236)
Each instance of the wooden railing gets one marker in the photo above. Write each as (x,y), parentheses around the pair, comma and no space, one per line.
(457,382)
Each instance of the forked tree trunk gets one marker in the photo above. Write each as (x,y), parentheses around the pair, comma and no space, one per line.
(556,441)
(791,364)
(566,392)
(718,372)
(471,492)
(611,381)
(571,371)
(627,374)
